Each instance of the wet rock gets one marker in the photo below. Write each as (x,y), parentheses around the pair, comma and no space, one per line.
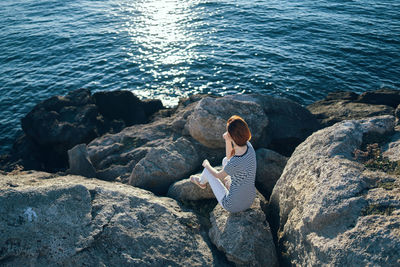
(328,209)
(79,162)
(383,96)
(339,106)
(270,165)
(245,237)
(49,220)
(126,106)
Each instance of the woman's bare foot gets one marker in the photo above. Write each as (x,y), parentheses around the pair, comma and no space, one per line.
(196,180)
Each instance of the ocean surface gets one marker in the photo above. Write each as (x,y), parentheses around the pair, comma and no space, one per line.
(170,49)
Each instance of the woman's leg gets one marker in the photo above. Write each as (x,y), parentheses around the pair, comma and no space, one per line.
(217,187)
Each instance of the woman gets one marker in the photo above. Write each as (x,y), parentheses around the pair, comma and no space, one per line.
(237,193)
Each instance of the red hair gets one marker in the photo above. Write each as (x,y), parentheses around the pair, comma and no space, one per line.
(238,130)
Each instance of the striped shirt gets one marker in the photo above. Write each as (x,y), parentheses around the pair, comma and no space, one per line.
(242,170)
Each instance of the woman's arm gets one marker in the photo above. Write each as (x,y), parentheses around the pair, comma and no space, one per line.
(218,174)
(228,145)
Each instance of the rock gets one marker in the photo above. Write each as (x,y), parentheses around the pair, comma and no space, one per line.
(339,106)
(184,190)
(165,165)
(384,96)
(270,165)
(126,106)
(329,112)
(289,122)
(79,162)
(286,126)
(207,123)
(114,156)
(329,210)
(49,220)
(391,149)
(59,123)
(397,113)
(245,237)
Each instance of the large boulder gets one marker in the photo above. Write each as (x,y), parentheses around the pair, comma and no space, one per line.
(329,209)
(275,122)
(270,165)
(162,166)
(207,123)
(59,123)
(339,106)
(48,220)
(125,105)
(288,122)
(245,237)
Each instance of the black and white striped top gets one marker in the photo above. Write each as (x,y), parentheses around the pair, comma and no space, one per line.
(242,170)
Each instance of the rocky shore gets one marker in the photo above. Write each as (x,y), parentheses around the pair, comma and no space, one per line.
(102,179)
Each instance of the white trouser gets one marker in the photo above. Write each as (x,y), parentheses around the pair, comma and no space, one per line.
(217,186)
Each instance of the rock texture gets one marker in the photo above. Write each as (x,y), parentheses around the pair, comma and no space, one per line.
(207,122)
(184,190)
(79,162)
(284,125)
(339,106)
(270,165)
(245,236)
(59,123)
(49,220)
(157,154)
(328,209)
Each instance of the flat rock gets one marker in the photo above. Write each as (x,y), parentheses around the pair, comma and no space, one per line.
(49,220)
(328,209)
(245,237)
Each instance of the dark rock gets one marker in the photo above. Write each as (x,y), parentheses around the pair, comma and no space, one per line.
(386,97)
(270,165)
(79,162)
(126,106)
(341,95)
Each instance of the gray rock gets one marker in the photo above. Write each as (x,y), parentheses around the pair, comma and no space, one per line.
(329,210)
(270,165)
(48,220)
(391,150)
(186,190)
(397,113)
(165,165)
(245,237)
(79,162)
(207,122)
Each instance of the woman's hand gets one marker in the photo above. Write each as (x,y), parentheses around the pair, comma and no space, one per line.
(206,164)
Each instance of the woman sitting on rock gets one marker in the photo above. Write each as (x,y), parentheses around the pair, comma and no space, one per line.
(237,192)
